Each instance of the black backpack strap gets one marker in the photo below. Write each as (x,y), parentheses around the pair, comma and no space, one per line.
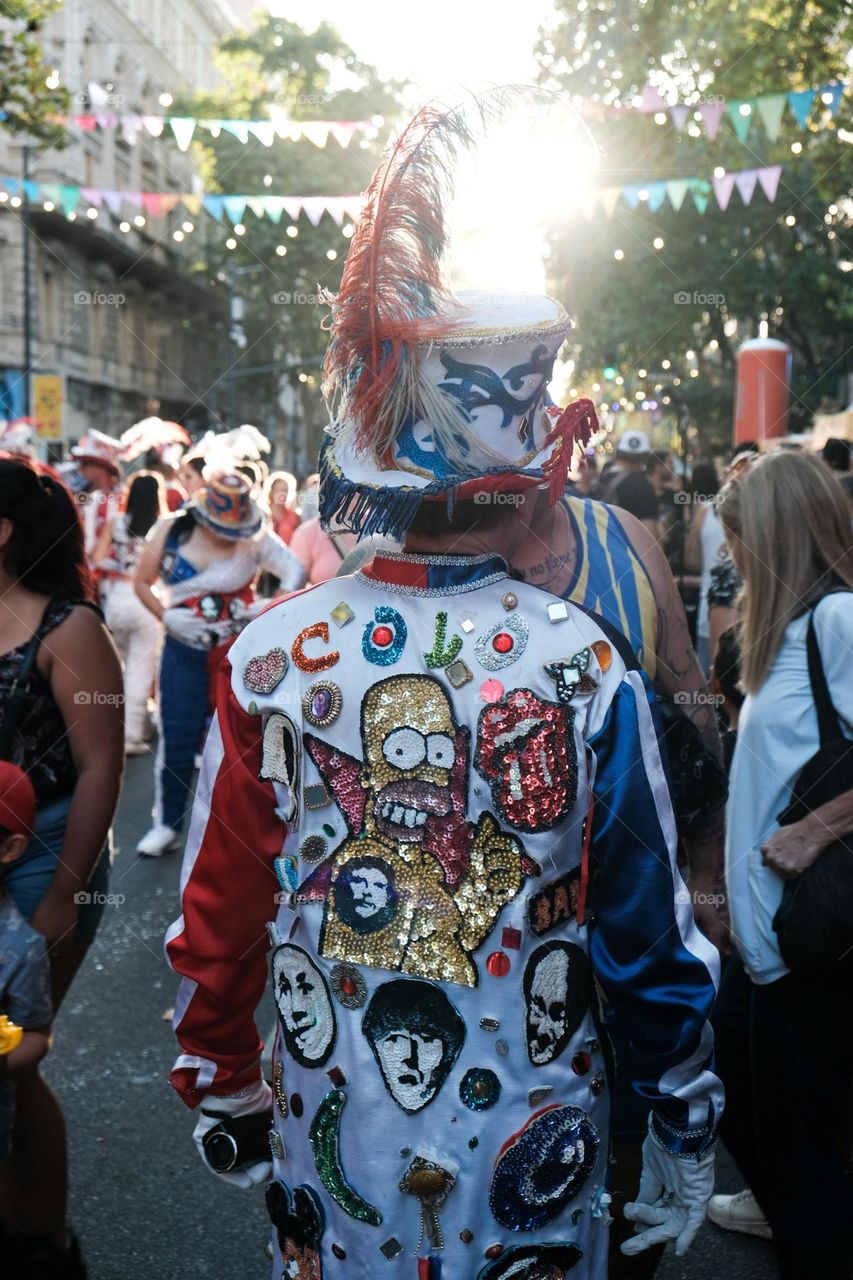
(827,717)
(18,693)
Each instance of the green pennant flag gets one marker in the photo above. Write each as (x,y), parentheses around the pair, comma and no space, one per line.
(69,198)
(770,108)
(741,123)
(701,193)
(677,190)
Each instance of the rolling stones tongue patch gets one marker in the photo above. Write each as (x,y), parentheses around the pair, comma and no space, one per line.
(526,752)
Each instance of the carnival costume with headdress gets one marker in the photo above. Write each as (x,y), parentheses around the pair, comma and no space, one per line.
(206,608)
(411,777)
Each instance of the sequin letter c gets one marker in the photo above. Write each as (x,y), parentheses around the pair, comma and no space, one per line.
(317,630)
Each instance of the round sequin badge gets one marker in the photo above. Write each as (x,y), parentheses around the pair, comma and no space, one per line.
(348,986)
(480,1089)
(491,691)
(312,849)
(321,704)
(502,644)
(543,1168)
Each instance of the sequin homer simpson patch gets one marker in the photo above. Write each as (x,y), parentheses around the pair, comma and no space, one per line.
(414,887)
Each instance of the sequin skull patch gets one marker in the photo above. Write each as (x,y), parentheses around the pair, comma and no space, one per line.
(415,887)
(557,991)
(298,1220)
(526,752)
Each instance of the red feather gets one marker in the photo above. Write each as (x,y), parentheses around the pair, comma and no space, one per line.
(574,425)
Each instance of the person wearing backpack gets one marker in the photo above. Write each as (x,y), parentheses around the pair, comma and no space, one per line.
(783,1025)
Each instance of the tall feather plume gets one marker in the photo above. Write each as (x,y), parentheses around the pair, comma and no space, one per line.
(393,291)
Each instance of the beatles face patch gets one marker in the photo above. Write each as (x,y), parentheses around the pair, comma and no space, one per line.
(557,987)
(304,1006)
(526,752)
(416,1035)
(298,1220)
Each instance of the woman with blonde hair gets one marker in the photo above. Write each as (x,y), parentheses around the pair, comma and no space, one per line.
(785,1038)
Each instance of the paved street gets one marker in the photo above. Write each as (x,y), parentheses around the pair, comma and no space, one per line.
(142,1203)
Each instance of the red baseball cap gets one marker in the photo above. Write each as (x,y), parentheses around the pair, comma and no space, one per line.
(17,800)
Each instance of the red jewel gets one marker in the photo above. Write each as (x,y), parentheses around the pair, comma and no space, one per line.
(511,938)
(347,985)
(502,642)
(382,637)
(339,1251)
(581,1063)
(494,1251)
(498,964)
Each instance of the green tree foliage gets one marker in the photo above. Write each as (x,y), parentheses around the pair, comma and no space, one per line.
(630,311)
(25,99)
(305,77)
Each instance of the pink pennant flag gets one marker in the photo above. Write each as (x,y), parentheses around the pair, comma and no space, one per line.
(342,131)
(132,197)
(651,100)
(712,113)
(95,197)
(85,121)
(106,119)
(745,181)
(678,115)
(152,204)
(723,189)
(769,179)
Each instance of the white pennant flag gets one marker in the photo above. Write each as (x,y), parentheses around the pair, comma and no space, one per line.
(678,115)
(183,127)
(264,131)
(315,207)
(353,206)
(153,125)
(292,206)
(342,131)
(316,131)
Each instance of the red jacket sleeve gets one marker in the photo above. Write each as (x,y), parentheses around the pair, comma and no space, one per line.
(228,894)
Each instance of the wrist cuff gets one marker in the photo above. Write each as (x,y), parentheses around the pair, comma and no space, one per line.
(686,1144)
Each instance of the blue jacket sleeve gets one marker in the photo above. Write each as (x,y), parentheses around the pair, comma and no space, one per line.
(656,969)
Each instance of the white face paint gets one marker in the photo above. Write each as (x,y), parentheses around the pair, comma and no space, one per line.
(369,888)
(547,1033)
(307,1019)
(409,1060)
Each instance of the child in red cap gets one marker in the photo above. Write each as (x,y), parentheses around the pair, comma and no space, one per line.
(24,969)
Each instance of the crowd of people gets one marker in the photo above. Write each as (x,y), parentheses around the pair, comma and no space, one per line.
(459,711)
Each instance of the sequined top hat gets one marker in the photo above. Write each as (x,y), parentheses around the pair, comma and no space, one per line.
(433,393)
(100,448)
(225,505)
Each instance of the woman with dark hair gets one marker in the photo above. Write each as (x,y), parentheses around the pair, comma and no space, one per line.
(704,545)
(60,721)
(136,631)
(208,556)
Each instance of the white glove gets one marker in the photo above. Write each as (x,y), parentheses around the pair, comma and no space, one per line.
(672,1199)
(189,628)
(248,1102)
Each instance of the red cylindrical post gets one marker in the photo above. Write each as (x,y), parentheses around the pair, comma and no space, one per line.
(763,387)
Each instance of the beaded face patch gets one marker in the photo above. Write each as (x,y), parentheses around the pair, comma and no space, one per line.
(533,1262)
(304,1005)
(557,991)
(324,1136)
(415,887)
(297,1216)
(281,756)
(526,752)
(416,1036)
(543,1167)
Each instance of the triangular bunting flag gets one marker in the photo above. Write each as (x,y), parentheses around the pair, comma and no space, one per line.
(191,203)
(740,121)
(712,114)
(69,198)
(334,208)
(835,93)
(85,121)
(132,197)
(183,127)
(237,128)
(801,104)
(657,195)
(214,206)
(257,204)
(31,191)
(678,114)
(292,206)
(213,127)
(631,194)
(152,203)
(106,119)
(769,179)
(273,206)
(316,131)
(745,181)
(609,198)
(264,131)
(353,206)
(315,207)
(651,100)
(677,190)
(153,125)
(130,127)
(51,191)
(342,131)
(112,199)
(723,189)
(235,207)
(92,195)
(701,193)
(770,108)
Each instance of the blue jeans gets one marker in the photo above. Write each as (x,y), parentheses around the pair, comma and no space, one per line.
(183,717)
(28,878)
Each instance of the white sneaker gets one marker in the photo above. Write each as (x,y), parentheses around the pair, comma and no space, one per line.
(739,1213)
(158,840)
